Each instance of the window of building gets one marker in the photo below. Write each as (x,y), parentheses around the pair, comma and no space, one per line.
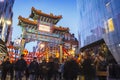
(110,25)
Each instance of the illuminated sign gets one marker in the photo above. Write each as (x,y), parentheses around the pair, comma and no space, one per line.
(43,33)
(44,28)
(42,38)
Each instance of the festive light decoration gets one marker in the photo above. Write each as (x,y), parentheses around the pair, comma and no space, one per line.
(25,51)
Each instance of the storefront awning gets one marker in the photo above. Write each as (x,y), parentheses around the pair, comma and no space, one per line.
(92,44)
(3,48)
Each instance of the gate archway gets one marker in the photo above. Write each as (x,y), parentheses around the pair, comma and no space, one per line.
(42,28)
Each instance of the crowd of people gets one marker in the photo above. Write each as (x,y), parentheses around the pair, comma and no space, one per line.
(69,69)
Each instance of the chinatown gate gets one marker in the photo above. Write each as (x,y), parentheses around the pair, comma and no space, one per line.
(40,28)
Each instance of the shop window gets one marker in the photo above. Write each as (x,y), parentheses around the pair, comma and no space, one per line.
(110,25)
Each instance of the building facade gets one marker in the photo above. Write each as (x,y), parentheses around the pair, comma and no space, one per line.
(99,26)
(6,15)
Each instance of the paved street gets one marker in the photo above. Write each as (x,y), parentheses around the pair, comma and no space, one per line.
(79,78)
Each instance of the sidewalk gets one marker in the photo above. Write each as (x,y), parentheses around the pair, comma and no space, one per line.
(8,78)
(82,78)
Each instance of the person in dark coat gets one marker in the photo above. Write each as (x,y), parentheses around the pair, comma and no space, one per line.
(11,71)
(71,70)
(43,70)
(27,73)
(20,67)
(5,68)
(34,69)
(56,68)
(50,68)
(102,66)
(88,69)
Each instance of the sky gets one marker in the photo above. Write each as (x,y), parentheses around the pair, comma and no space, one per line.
(66,8)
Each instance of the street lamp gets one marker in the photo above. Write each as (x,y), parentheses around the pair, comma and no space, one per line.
(4,23)
(72,51)
(1,0)
(16,52)
(1,20)
(8,22)
(42,45)
(17,43)
(73,48)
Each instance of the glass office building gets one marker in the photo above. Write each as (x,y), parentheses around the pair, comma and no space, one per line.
(99,27)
